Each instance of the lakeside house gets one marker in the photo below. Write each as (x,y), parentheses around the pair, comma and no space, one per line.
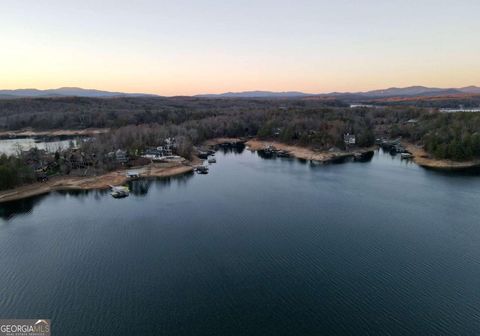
(121,156)
(76,159)
(349,139)
(40,161)
(163,152)
(45,164)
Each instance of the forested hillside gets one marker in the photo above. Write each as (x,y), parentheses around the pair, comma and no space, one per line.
(454,136)
(78,113)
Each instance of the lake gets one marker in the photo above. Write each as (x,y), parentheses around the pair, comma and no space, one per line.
(256,247)
(12,146)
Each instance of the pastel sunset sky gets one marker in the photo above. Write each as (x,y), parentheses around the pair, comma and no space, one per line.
(187,47)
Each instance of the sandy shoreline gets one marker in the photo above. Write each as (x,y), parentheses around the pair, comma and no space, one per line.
(304,153)
(423,159)
(219,141)
(92,182)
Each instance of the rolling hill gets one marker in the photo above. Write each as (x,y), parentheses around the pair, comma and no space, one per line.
(411,91)
(65,92)
(406,92)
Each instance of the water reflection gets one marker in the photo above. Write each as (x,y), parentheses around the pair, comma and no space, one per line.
(141,187)
(8,210)
(303,161)
(366,157)
(235,148)
(266,155)
(82,193)
(471,171)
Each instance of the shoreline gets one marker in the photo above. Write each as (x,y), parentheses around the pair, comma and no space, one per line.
(305,153)
(117,177)
(220,141)
(153,170)
(423,159)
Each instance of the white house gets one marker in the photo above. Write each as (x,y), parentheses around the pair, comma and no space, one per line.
(349,139)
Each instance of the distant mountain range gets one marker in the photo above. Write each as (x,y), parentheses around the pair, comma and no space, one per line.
(66,92)
(412,91)
(256,94)
(384,93)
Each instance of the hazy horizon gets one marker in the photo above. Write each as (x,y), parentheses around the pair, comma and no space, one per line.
(189,48)
(244,91)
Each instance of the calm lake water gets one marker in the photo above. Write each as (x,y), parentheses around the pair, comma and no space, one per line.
(256,247)
(12,146)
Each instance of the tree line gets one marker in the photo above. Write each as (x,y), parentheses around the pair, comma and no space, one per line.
(453,136)
(137,124)
(14,171)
